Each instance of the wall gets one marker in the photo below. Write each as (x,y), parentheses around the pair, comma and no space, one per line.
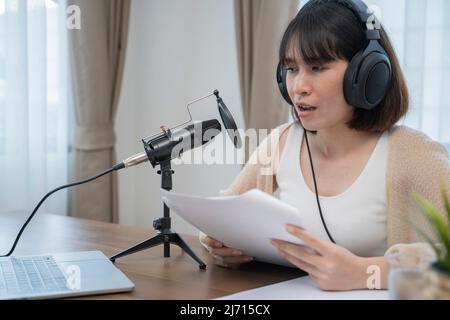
(178,51)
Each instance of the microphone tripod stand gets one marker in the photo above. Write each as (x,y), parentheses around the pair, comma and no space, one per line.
(162,225)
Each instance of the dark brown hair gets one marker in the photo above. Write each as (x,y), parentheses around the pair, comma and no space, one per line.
(326,31)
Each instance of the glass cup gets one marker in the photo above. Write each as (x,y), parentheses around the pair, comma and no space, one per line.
(406,277)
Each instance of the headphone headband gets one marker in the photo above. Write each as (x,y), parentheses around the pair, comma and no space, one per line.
(367,18)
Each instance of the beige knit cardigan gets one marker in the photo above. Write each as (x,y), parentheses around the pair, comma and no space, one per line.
(416,163)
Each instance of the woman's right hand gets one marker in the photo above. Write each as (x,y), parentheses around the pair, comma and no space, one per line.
(223,256)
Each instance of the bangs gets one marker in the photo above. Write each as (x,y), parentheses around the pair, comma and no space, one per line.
(314,38)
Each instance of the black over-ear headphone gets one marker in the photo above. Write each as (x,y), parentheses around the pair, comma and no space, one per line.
(369,72)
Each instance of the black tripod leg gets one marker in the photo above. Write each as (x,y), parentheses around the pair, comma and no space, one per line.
(176,239)
(158,239)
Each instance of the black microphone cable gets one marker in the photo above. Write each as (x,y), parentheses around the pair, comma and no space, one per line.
(115,168)
(315,188)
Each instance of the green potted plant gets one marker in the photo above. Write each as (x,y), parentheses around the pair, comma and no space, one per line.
(438,274)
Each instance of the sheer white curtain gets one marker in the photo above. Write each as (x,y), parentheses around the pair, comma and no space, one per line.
(420,32)
(33,104)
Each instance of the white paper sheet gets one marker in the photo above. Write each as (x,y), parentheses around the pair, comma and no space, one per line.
(304,289)
(246,222)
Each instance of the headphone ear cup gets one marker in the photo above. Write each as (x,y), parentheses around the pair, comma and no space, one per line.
(281,80)
(376,75)
(351,89)
(367,80)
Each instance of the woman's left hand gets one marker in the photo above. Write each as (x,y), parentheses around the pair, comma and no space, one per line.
(330,266)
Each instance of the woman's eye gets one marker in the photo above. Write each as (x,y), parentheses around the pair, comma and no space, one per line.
(317,68)
(291,69)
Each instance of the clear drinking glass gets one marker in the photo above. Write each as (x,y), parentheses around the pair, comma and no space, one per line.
(406,277)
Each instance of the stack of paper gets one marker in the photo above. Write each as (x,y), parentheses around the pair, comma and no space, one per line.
(246,222)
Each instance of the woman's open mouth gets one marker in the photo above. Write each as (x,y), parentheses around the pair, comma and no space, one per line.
(305,110)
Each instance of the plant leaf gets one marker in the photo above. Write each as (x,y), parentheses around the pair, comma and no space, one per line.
(435,247)
(446,203)
(436,220)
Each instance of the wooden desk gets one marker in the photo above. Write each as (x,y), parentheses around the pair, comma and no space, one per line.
(154,276)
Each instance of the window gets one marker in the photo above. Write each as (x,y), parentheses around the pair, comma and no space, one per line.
(33,103)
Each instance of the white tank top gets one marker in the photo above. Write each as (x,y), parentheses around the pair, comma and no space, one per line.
(356,218)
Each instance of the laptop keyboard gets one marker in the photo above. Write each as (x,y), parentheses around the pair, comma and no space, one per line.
(28,275)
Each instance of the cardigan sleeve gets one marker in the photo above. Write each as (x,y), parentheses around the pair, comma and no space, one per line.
(421,166)
(432,176)
(260,170)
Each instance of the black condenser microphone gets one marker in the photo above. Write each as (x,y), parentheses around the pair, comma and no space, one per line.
(172,143)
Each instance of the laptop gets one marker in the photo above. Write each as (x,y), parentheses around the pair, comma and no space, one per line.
(60,275)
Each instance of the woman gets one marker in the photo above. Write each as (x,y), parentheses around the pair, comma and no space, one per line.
(365,166)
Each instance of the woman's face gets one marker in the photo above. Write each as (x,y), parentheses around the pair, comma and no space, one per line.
(319,86)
